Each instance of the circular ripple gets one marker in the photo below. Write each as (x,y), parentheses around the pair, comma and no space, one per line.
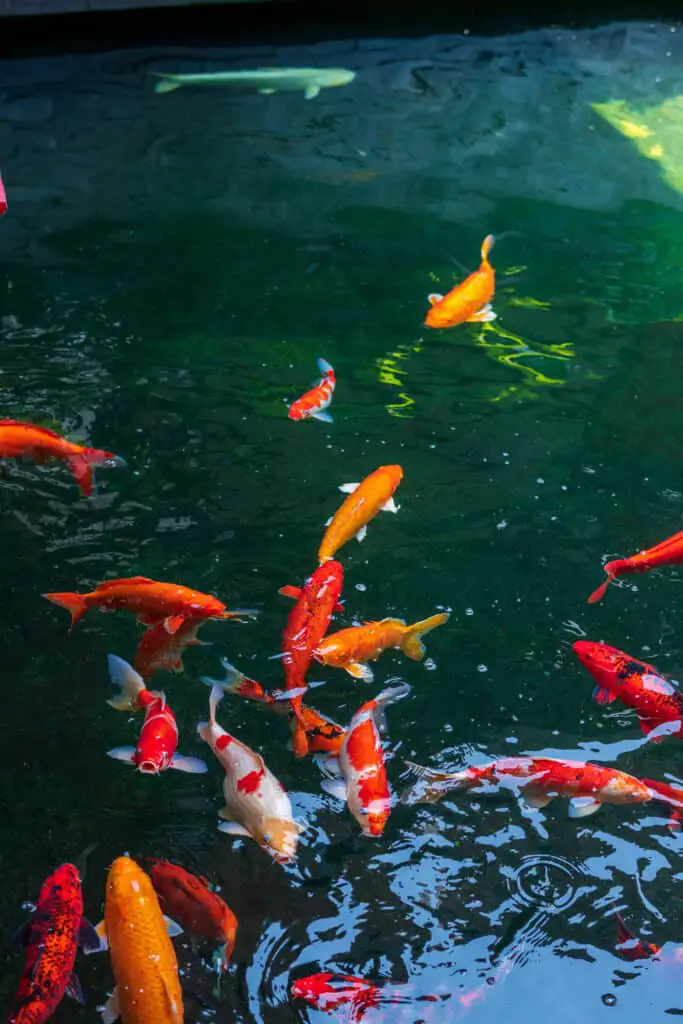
(546,882)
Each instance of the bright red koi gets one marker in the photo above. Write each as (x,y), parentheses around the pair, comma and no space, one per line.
(41,445)
(669,552)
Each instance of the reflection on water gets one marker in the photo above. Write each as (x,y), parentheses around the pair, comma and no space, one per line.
(172,267)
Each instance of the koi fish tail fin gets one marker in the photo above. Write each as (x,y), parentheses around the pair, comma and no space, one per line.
(73,603)
(412,643)
(671,795)
(215,697)
(598,594)
(432,785)
(129,682)
(486,247)
(166,84)
(83,462)
(623,934)
(231,683)
(299,738)
(386,697)
(324,367)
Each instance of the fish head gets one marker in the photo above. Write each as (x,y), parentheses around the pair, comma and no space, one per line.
(373,818)
(606,664)
(65,881)
(149,764)
(280,836)
(313,988)
(439,317)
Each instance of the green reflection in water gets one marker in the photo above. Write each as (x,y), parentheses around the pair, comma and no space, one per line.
(393,372)
(657,132)
(516,352)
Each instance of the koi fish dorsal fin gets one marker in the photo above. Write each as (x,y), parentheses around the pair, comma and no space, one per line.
(133,581)
(434,298)
(293,592)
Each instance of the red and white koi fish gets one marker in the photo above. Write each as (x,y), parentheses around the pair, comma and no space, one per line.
(469,301)
(638,685)
(306,626)
(669,552)
(313,404)
(329,992)
(51,939)
(256,804)
(37,443)
(364,784)
(156,747)
(160,650)
(538,780)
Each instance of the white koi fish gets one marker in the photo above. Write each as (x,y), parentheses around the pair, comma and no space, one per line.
(267,80)
(256,804)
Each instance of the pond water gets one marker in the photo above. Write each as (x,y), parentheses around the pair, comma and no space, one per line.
(171,268)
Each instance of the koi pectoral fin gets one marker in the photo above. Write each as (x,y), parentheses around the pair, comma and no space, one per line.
(193,765)
(172,927)
(603,696)
(583,806)
(111,1010)
(74,991)
(322,416)
(434,298)
(598,594)
(483,316)
(233,828)
(88,939)
(359,671)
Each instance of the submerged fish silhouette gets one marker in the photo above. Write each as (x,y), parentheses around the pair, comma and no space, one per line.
(267,80)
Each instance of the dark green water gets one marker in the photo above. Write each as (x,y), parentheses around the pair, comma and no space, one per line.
(172,266)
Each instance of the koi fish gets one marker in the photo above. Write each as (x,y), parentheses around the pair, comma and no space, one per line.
(160,650)
(41,445)
(669,552)
(538,780)
(469,301)
(306,626)
(365,500)
(187,899)
(364,785)
(51,938)
(352,648)
(323,735)
(635,683)
(148,600)
(328,992)
(313,404)
(156,747)
(3,199)
(256,804)
(266,80)
(630,947)
(142,956)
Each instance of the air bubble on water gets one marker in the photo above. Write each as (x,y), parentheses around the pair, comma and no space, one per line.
(540,480)
(429,664)
(448,727)
(469,611)
(28,906)
(511,739)
(482,668)
(361,586)
(609,999)
(502,524)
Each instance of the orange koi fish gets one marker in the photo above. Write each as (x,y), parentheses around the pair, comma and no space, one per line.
(313,404)
(324,736)
(352,648)
(306,626)
(669,552)
(160,650)
(51,938)
(538,780)
(256,803)
(148,600)
(156,747)
(630,947)
(328,992)
(365,500)
(187,899)
(41,445)
(469,301)
(635,683)
(142,957)
(364,785)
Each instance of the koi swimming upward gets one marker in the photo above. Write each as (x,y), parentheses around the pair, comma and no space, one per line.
(365,500)
(469,301)
(313,404)
(352,648)
(669,552)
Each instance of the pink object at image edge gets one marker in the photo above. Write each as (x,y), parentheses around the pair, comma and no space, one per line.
(3,198)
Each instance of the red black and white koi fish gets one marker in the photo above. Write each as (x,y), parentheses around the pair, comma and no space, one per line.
(538,780)
(156,746)
(51,938)
(306,626)
(669,552)
(364,784)
(637,684)
(312,405)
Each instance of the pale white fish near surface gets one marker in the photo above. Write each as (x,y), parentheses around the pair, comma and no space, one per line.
(267,80)
(256,803)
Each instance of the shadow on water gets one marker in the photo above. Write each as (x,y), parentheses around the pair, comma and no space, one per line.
(172,266)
